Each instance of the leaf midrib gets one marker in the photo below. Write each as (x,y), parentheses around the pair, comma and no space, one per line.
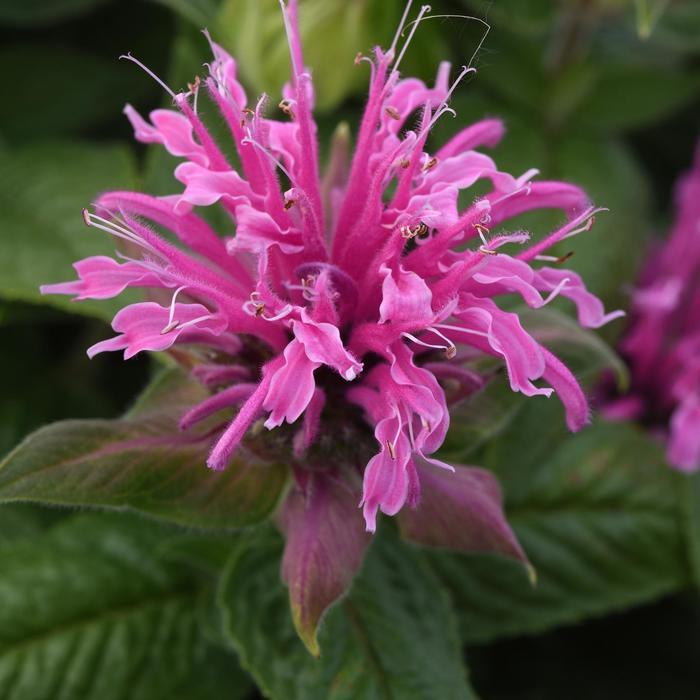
(113,614)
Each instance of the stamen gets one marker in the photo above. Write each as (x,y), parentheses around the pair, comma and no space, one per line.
(451,16)
(249,139)
(414,26)
(286,310)
(484,248)
(469,331)
(399,29)
(194,91)
(296,68)
(187,324)
(254,307)
(129,57)
(408,232)
(555,292)
(392,112)
(289,203)
(429,165)
(392,450)
(172,322)
(447,349)
(581,229)
(451,349)
(114,229)
(404,163)
(442,107)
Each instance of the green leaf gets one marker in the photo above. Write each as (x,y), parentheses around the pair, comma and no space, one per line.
(598,515)
(90,611)
(91,87)
(393,637)
(626,97)
(143,463)
(37,13)
(43,188)
(22,520)
(690,504)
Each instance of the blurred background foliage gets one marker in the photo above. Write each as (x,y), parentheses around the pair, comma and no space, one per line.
(605,93)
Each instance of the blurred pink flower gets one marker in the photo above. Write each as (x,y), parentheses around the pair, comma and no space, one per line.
(663,342)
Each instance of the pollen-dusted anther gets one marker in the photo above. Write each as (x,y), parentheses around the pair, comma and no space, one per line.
(256,304)
(408,232)
(404,163)
(563,258)
(484,247)
(86,216)
(429,165)
(392,112)
(391,448)
(170,327)
(358,58)
(289,203)
(194,86)
(286,107)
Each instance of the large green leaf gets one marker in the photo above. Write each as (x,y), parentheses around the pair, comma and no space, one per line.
(143,463)
(598,515)
(393,637)
(90,611)
(43,188)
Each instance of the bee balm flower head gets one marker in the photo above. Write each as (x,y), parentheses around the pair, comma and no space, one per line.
(343,304)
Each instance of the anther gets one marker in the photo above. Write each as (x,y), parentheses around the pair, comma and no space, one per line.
(358,58)
(563,258)
(286,107)
(289,203)
(408,232)
(429,165)
(404,163)
(392,112)
(487,251)
(391,448)
(170,327)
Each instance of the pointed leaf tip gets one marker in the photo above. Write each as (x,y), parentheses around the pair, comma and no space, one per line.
(462,511)
(326,542)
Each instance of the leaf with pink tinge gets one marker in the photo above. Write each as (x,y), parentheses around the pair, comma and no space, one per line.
(143,462)
(326,543)
(462,511)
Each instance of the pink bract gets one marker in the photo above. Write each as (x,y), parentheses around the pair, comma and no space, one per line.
(371,285)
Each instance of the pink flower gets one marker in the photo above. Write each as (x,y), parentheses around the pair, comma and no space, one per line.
(663,341)
(349,299)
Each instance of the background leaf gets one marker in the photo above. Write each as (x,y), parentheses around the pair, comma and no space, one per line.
(598,515)
(43,189)
(89,611)
(143,463)
(44,12)
(92,88)
(392,638)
